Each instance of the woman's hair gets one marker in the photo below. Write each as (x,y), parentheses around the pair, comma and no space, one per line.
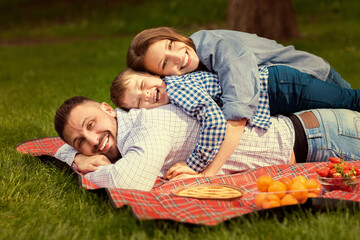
(119,86)
(142,41)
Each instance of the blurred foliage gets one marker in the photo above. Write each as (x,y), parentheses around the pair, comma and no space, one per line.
(64,18)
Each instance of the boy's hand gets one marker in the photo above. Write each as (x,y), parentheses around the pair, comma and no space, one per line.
(185,175)
(177,169)
(87,164)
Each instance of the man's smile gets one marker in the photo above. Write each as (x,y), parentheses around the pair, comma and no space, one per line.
(104,143)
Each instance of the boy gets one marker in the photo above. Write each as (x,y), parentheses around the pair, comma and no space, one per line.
(199,99)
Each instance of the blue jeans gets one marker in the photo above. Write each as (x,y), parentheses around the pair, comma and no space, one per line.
(291,91)
(337,135)
(335,78)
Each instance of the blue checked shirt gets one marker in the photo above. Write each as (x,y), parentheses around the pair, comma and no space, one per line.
(262,117)
(198,94)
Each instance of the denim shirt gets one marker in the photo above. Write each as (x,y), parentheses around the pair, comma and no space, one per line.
(236,57)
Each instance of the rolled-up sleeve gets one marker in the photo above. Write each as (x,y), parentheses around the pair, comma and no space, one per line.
(237,69)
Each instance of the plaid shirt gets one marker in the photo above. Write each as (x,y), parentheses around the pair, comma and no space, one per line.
(198,94)
(262,117)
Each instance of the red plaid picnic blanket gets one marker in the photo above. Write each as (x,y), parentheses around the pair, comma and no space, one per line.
(161,203)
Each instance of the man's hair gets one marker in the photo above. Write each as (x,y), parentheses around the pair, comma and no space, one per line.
(62,114)
(140,44)
(119,86)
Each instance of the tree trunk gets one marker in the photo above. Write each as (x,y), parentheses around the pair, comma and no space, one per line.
(271,19)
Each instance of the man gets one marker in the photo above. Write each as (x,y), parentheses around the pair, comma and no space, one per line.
(149,142)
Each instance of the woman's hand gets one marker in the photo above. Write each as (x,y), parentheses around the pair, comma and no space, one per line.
(177,169)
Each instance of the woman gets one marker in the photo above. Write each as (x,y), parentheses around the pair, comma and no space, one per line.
(236,58)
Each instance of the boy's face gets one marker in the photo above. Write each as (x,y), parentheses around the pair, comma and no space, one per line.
(145,91)
(167,57)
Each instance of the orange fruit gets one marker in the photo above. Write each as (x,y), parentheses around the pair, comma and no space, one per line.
(311,194)
(286,181)
(277,188)
(299,190)
(263,183)
(313,186)
(288,199)
(299,178)
(270,201)
(303,200)
(259,199)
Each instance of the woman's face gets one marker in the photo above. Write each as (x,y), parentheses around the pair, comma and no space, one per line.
(167,57)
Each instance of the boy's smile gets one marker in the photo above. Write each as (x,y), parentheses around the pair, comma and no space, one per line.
(145,91)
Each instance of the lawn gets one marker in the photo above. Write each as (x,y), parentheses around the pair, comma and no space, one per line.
(50,51)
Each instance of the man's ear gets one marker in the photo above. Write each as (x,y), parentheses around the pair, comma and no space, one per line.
(108,109)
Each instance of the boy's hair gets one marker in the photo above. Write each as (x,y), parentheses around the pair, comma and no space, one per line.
(62,114)
(140,44)
(119,86)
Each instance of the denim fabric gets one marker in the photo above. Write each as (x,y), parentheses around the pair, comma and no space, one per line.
(335,78)
(236,57)
(291,90)
(338,135)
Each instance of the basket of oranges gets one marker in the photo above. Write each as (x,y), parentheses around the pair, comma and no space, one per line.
(285,191)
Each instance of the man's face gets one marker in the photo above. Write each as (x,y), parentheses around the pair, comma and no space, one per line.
(167,57)
(145,91)
(91,129)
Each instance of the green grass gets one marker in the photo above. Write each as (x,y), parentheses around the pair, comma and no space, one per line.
(77,49)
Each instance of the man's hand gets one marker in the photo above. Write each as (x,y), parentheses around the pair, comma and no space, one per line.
(87,164)
(177,169)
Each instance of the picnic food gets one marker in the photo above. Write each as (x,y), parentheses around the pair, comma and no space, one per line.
(313,186)
(263,183)
(299,179)
(339,175)
(286,181)
(259,199)
(285,191)
(270,201)
(210,191)
(299,190)
(288,199)
(278,188)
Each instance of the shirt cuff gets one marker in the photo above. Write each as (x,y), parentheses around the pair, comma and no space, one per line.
(67,154)
(235,111)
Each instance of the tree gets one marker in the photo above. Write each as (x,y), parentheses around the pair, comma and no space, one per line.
(271,19)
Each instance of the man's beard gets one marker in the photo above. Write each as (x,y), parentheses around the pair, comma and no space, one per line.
(113,153)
